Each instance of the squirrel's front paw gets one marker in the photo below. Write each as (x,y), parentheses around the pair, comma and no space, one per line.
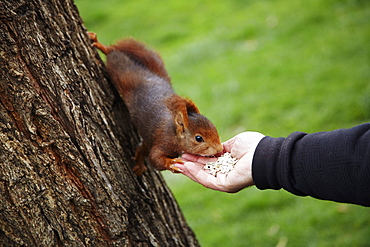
(139,169)
(174,169)
(177,160)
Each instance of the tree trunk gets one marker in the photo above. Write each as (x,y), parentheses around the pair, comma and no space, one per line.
(66,142)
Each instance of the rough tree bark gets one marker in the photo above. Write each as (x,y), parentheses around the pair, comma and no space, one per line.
(66,142)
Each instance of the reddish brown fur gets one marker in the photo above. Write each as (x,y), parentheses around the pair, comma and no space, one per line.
(138,52)
(168,123)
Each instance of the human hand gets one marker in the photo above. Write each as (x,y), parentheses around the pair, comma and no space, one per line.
(242,147)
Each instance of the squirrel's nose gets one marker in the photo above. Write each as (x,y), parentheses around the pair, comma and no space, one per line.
(215,149)
(219,148)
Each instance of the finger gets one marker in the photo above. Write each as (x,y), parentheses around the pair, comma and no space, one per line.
(198,159)
(196,172)
(190,170)
(190,157)
(228,145)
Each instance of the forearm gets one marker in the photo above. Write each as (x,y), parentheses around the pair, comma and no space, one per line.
(331,165)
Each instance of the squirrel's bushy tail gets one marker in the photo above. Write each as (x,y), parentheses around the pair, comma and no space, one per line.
(149,59)
(128,61)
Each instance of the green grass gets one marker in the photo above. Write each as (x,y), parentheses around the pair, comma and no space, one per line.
(270,66)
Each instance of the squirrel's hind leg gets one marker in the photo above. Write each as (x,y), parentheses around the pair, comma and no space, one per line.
(140,167)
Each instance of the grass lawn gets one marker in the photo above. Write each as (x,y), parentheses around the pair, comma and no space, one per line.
(270,66)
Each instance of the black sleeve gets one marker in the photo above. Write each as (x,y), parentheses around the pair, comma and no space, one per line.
(331,165)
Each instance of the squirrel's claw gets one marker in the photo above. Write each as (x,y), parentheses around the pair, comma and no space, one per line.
(174,169)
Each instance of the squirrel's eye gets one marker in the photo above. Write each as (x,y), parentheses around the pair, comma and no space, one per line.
(199,139)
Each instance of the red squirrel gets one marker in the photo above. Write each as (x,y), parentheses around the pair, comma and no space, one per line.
(168,124)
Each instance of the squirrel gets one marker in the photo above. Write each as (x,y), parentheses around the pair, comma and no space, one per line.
(168,124)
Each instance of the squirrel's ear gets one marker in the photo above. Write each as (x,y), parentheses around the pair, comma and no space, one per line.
(191,107)
(180,123)
(179,108)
